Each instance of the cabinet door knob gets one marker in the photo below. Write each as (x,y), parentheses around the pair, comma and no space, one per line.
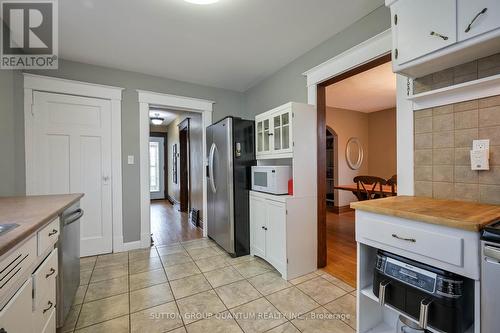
(53,232)
(52,271)
(433,33)
(50,304)
(475,18)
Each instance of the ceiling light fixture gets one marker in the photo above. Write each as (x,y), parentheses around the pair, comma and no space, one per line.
(157,120)
(202,2)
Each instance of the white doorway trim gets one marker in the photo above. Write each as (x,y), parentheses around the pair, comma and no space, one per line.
(34,83)
(148,99)
(373,48)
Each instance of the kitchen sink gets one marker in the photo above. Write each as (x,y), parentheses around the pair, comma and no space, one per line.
(5,228)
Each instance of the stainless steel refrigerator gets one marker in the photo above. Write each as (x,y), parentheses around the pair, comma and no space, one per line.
(231,153)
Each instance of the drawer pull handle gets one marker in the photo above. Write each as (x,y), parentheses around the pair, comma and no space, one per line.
(50,304)
(53,232)
(475,18)
(52,271)
(433,33)
(413,240)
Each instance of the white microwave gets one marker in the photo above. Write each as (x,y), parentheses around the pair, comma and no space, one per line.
(271,179)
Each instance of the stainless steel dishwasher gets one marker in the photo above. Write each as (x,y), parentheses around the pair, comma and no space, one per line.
(68,245)
(490,276)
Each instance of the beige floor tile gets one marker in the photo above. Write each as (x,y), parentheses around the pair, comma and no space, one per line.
(142,254)
(251,268)
(149,297)
(179,330)
(112,259)
(140,266)
(257,316)
(239,260)
(170,249)
(208,252)
(212,263)
(321,290)
(118,325)
(108,273)
(285,328)
(70,322)
(292,302)
(269,283)
(103,310)
(223,276)
(323,321)
(85,277)
(87,263)
(180,271)
(223,323)
(175,259)
(147,279)
(337,282)
(106,288)
(237,293)
(303,278)
(200,306)
(159,319)
(80,294)
(345,307)
(198,244)
(189,286)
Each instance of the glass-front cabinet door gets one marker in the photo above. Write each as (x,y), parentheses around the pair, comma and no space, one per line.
(263,135)
(282,135)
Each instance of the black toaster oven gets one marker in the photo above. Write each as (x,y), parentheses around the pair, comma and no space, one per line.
(434,297)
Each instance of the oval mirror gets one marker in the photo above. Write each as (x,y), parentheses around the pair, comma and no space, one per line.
(354,153)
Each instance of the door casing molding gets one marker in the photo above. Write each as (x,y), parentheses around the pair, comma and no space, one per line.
(41,83)
(148,99)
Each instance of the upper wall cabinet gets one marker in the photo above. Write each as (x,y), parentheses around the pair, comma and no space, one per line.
(429,35)
(274,132)
(422,27)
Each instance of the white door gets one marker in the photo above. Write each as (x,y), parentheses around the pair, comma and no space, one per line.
(258,220)
(72,148)
(276,233)
(157,167)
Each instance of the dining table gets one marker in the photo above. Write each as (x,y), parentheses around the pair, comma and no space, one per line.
(386,189)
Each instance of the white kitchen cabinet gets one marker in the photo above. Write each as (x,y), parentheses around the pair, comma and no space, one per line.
(477,17)
(421,27)
(15,316)
(283,232)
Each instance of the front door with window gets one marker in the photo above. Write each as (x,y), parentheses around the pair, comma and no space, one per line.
(157,167)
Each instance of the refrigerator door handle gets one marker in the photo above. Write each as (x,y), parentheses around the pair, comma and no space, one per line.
(211,167)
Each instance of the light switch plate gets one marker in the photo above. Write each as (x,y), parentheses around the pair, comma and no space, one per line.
(130,159)
(481,145)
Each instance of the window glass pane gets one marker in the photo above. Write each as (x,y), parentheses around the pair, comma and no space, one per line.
(259,126)
(277,138)
(154,171)
(259,142)
(285,119)
(277,121)
(286,137)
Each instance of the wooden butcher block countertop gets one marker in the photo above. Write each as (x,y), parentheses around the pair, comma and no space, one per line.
(455,214)
(31,213)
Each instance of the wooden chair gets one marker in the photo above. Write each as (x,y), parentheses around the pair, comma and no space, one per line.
(393,182)
(369,187)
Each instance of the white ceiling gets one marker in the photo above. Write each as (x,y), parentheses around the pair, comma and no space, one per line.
(232,44)
(168,115)
(370,91)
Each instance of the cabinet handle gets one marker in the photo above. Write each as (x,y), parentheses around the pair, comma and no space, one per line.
(50,304)
(52,271)
(270,134)
(475,18)
(53,232)
(433,33)
(413,240)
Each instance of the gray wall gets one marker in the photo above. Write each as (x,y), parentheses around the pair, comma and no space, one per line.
(12,173)
(288,84)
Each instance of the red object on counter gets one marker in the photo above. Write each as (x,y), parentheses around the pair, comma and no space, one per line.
(290,186)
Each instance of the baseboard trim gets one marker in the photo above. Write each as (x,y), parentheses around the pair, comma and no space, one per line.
(172,200)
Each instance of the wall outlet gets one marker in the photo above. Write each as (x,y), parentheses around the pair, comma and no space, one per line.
(481,145)
(130,159)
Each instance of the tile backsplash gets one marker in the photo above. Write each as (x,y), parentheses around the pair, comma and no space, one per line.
(470,71)
(443,139)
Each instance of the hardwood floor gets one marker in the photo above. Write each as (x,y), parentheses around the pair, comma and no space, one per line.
(341,246)
(168,225)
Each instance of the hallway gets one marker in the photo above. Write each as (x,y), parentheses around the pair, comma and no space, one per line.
(341,246)
(168,225)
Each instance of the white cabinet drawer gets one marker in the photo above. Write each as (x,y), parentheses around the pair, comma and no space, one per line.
(47,237)
(14,267)
(451,249)
(15,316)
(44,278)
(44,306)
